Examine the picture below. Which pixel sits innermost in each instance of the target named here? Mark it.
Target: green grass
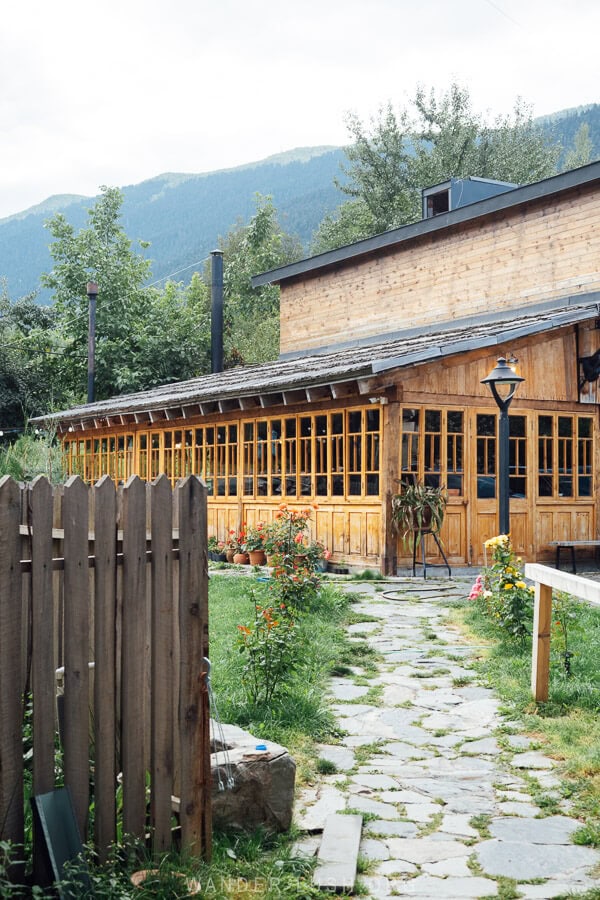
(301, 714)
(567, 727)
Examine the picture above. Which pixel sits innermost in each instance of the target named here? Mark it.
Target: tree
(144, 336)
(251, 316)
(27, 348)
(439, 137)
(580, 153)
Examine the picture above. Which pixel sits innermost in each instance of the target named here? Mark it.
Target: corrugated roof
(343, 365)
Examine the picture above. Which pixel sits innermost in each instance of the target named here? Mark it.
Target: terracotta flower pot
(241, 559)
(257, 557)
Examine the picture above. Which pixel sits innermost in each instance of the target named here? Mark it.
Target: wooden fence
(111, 588)
(547, 579)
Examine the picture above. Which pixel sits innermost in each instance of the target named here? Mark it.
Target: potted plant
(216, 549)
(418, 508)
(254, 544)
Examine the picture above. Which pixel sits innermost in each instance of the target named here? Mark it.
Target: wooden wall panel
(548, 364)
(373, 521)
(517, 257)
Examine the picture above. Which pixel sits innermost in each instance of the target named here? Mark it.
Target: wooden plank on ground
(76, 626)
(11, 710)
(105, 708)
(162, 683)
(338, 853)
(195, 775)
(133, 657)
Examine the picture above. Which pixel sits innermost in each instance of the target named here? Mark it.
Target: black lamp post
(92, 293)
(503, 382)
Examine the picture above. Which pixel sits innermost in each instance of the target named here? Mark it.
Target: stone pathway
(441, 783)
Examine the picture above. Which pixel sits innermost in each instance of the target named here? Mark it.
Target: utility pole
(92, 293)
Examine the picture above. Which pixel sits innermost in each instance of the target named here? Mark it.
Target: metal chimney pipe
(92, 293)
(216, 314)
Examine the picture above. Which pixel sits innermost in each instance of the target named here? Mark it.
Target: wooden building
(384, 344)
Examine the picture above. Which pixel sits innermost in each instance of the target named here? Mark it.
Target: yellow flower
(520, 584)
(508, 587)
(531, 589)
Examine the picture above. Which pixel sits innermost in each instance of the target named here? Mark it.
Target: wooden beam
(267, 400)
(322, 392)
(226, 406)
(249, 403)
(174, 412)
(292, 397)
(345, 389)
(191, 411)
(208, 407)
(156, 415)
(371, 385)
(141, 417)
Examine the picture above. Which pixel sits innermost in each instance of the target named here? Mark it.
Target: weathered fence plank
(133, 688)
(43, 660)
(76, 625)
(105, 594)
(195, 777)
(162, 684)
(11, 708)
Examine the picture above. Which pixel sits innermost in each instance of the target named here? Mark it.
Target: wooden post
(77, 716)
(11, 709)
(43, 663)
(162, 691)
(105, 707)
(389, 485)
(540, 660)
(133, 685)
(196, 781)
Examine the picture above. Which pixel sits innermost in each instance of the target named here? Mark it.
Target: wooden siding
(508, 260)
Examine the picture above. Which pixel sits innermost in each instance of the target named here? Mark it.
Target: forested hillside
(182, 216)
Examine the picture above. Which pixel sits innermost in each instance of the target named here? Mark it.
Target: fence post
(162, 691)
(133, 657)
(77, 698)
(194, 714)
(11, 708)
(105, 706)
(542, 622)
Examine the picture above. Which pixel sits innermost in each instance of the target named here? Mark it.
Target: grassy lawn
(299, 716)
(567, 727)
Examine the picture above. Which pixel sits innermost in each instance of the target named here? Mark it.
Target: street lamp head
(91, 289)
(503, 382)
(502, 373)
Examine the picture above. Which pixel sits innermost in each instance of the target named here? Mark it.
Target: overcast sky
(122, 90)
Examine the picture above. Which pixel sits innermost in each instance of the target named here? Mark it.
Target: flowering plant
(270, 648)
(507, 597)
(236, 540)
(255, 538)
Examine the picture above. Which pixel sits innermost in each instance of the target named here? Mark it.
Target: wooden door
(433, 450)
(483, 493)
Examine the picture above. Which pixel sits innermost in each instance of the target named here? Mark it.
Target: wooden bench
(572, 546)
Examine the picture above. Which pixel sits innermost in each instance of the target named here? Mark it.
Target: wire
(185, 268)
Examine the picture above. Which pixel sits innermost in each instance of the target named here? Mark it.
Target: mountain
(183, 215)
